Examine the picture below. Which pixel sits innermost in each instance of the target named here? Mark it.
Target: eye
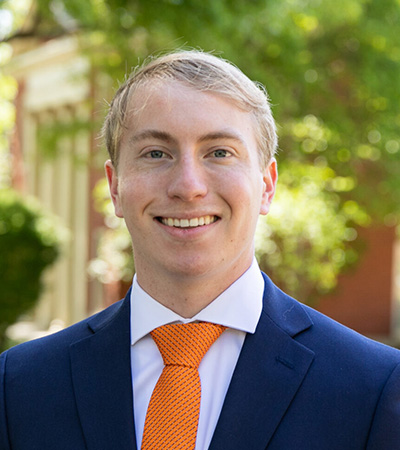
(156, 154)
(220, 153)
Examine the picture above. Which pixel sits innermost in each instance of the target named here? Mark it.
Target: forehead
(180, 101)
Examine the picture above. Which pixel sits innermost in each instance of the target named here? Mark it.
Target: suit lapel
(269, 372)
(101, 373)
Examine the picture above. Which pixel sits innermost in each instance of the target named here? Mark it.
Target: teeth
(186, 223)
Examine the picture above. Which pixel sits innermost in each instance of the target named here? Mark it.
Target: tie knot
(186, 344)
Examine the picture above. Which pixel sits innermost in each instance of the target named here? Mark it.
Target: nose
(188, 180)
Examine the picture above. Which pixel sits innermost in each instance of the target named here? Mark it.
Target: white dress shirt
(238, 308)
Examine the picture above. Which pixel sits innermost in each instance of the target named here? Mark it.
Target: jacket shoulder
(323, 335)
(52, 347)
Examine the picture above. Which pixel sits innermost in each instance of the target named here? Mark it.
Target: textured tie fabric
(173, 413)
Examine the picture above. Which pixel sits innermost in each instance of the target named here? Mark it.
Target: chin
(193, 267)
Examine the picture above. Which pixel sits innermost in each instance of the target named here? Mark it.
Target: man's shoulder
(55, 346)
(323, 335)
(328, 334)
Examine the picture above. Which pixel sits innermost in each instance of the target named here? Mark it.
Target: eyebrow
(154, 134)
(223, 134)
(167, 137)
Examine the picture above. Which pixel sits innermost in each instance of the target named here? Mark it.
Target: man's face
(189, 184)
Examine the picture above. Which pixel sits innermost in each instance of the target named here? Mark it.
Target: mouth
(187, 223)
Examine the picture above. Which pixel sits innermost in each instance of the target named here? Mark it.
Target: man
(191, 142)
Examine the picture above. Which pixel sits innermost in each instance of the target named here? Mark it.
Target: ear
(270, 178)
(112, 178)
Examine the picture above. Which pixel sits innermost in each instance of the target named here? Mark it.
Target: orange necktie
(173, 413)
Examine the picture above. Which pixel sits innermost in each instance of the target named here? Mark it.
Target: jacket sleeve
(385, 428)
(4, 441)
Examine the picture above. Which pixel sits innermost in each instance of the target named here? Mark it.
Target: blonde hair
(204, 72)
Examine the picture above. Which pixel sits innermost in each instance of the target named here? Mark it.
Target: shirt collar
(238, 307)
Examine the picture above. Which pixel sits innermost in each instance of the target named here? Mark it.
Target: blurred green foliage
(114, 259)
(30, 241)
(7, 117)
(309, 236)
(332, 70)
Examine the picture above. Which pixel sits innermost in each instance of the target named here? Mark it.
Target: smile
(188, 223)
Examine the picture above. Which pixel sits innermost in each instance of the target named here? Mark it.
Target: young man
(191, 142)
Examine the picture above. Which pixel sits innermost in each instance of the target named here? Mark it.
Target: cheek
(135, 194)
(245, 196)
(127, 194)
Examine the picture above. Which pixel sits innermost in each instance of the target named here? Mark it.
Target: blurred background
(332, 70)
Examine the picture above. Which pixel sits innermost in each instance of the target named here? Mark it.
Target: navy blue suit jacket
(302, 382)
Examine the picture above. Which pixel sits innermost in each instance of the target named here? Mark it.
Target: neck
(185, 295)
